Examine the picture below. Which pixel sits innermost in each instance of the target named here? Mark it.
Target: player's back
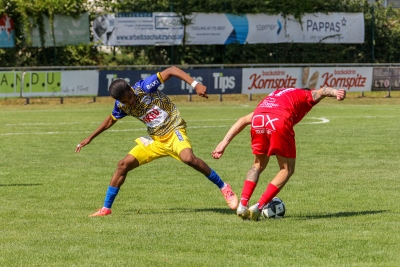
(292, 103)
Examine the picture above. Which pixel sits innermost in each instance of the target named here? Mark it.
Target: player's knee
(289, 172)
(122, 166)
(189, 159)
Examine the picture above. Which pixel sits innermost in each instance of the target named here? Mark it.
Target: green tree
(382, 31)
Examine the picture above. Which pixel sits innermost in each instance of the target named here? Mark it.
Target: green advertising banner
(48, 83)
(8, 83)
(42, 81)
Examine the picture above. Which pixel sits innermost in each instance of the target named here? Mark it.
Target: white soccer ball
(274, 209)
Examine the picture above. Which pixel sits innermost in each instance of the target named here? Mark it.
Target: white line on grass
(318, 121)
(93, 122)
(110, 130)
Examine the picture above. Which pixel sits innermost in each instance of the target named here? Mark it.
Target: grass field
(342, 202)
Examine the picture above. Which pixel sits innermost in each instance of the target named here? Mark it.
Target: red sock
(247, 191)
(268, 195)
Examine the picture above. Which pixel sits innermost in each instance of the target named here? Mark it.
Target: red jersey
(292, 103)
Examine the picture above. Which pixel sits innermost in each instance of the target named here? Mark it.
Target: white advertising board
(266, 80)
(356, 79)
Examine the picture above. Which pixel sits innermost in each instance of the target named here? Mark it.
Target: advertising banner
(386, 79)
(213, 28)
(48, 83)
(327, 28)
(266, 80)
(217, 81)
(267, 29)
(103, 27)
(139, 28)
(6, 31)
(356, 79)
(131, 76)
(67, 31)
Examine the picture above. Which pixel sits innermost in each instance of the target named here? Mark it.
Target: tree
(381, 30)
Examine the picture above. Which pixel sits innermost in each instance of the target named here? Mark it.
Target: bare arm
(321, 93)
(107, 123)
(236, 128)
(177, 72)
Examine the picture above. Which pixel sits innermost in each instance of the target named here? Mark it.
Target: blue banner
(217, 81)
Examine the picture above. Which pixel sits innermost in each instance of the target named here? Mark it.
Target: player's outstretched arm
(107, 123)
(236, 128)
(177, 72)
(321, 93)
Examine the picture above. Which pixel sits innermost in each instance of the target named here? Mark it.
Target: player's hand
(219, 150)
(82, 144)
(341, 94)
(201, 90)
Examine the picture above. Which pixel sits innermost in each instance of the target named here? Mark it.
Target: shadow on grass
(159, 211)
(20, 184)
(338, 214)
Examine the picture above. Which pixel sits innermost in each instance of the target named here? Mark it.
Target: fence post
(22, 86)
(220, 97)
(250, 97)
(190, 97)
(389, 92)
(61, 100)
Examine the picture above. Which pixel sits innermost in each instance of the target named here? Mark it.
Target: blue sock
(214, 177)
(110, 196)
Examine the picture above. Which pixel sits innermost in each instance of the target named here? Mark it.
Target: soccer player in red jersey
(165, 127)
(272, 133)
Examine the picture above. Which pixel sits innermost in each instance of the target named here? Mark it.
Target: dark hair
(118, 88)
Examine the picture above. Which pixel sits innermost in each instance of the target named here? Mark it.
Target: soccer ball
(274, 209)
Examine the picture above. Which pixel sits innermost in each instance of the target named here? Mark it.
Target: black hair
(118, 88)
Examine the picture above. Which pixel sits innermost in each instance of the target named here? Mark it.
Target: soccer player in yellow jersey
(165, 126)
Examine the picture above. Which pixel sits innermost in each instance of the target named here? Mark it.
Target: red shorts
(272, 134)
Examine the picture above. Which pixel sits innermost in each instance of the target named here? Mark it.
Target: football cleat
(230, 197)
(243, 212)
(254, 213)
(101, 212)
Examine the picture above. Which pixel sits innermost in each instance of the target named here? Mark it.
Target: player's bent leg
(124, 166)
(250, 183)
(187, 156)
(287, 166)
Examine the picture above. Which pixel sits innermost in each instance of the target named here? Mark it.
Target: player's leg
(282, 144)
(250, 183)
(128, 163)
(287, 166)
(181, 147)
(187, 156)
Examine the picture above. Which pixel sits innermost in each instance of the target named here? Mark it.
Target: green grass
(342, 202)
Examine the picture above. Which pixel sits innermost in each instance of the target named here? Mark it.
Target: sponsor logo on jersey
(153, 84)
(146, 140)
(146, 100)
(151, 115)
(179, 135)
